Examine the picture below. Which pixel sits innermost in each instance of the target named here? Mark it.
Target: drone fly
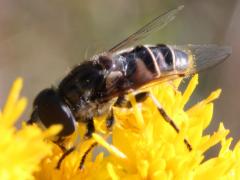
(92, 88)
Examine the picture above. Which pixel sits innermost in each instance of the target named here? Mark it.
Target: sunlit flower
(23, 149)
(142, 145)
(155, 151)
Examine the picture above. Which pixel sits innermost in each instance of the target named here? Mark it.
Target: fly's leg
(69, 151)
(110, 120)
(88, 135)
(90, 128)
(65, 151)
(142, 96)
(121, 102)
(65, 154)
(168, 119)
(85, 155)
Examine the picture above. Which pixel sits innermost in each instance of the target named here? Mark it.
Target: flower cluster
(141, 145)
(21, 149)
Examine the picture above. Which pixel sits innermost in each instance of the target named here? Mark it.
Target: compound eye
(52, 110)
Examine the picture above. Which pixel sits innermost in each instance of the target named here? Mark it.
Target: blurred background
(41, 40)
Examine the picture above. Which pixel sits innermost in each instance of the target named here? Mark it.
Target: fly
(92, 88)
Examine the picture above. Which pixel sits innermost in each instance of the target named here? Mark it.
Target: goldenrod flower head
(143, 145)
(21, 149)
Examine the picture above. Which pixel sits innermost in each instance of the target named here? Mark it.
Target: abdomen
(145, 64)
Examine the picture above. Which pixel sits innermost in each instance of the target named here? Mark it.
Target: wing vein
(156, 24)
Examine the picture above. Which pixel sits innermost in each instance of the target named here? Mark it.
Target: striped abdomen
(145, 64)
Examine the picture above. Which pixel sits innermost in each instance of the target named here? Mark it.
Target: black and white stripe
(156, 59)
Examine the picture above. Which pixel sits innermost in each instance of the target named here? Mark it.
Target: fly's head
(49, 109)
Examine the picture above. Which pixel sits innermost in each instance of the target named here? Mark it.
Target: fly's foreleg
(65, 154)
(85, 155)
(69, 151)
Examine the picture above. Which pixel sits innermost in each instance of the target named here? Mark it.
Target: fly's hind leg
(142, 96)
(168, 119)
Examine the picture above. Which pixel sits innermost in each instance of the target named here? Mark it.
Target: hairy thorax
(93, 109)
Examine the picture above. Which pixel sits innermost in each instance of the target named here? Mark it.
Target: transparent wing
(156, 24)
(205, 56)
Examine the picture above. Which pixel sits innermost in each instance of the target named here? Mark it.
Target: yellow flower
(142, 145)
(154, 150)
(21, 149)
(145, 146)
